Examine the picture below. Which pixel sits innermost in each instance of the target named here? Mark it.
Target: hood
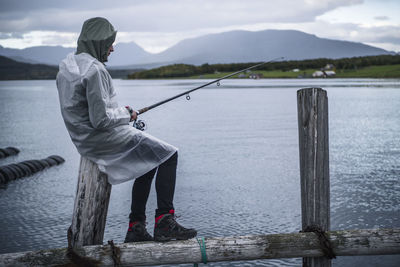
(97, 36)
(73, 67)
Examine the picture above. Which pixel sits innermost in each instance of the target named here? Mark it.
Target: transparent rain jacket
(99, 128)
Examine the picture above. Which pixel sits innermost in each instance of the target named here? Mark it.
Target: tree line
(185, 70)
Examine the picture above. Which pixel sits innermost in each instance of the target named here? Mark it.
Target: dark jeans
(165, 188)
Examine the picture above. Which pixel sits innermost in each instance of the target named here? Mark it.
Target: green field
(381, 66)
(265, 74)
(385, 71)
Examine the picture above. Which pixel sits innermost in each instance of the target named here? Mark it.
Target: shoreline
(234, 78)
(371, 72)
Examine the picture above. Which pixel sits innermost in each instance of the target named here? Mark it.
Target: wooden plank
(293, 245)
(312, 106)
(91, 205)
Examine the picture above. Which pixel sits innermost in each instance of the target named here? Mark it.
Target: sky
(156, 25)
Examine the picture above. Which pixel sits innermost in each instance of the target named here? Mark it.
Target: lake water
(238, 171)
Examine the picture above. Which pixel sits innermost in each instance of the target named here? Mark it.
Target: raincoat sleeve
(102, 114)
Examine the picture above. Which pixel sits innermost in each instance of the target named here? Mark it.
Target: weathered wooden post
(312, 104)
(91, 206)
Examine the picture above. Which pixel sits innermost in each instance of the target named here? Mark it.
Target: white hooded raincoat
(99, 128)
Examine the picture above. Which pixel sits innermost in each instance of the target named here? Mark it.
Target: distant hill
(50, 55)
(127, 54)
(245, 46)
(14, 70)
(227, 47)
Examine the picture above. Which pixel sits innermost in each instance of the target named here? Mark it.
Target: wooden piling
(91, 205)
(312, 105)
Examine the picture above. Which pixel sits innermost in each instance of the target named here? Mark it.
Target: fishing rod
(141, 125)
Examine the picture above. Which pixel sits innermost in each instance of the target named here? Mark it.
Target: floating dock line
(8, 151)
(26, 168)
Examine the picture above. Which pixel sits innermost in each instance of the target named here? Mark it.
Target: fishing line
(141, 125)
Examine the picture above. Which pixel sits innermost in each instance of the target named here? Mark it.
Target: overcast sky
(158, 24)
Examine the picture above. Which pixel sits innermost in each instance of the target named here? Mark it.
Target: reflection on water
(238, 169)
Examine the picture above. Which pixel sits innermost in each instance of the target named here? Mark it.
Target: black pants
(165, 188)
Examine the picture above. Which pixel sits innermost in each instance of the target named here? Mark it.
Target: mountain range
(227, 47)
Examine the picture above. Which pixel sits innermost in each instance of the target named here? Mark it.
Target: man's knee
(173, 160)
(174, 157)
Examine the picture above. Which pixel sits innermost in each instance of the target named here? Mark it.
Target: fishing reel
(140, 125)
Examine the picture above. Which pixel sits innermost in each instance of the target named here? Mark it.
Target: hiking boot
(166, 228)
(137, 232)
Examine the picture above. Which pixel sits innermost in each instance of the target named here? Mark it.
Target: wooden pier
(316, 244)
(344, 243)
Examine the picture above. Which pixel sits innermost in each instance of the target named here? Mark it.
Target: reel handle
(140, 125)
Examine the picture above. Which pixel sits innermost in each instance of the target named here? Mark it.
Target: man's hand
(132, 112)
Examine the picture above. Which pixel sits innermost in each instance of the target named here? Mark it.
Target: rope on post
(324, 242)
(202, 244)
(116, 253)
(75, 258)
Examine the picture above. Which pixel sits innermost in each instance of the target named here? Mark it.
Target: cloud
(359, 33)
(12, 35)
(38, 38)
(157, 25)
(157, 15)
(385, 36)
(54, 38)
(381, 17)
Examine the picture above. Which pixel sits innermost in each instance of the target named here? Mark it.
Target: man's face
(111, 49)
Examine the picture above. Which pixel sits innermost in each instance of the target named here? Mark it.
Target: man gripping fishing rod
(100, 130)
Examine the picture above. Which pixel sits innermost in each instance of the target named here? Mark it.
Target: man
(100, 130)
